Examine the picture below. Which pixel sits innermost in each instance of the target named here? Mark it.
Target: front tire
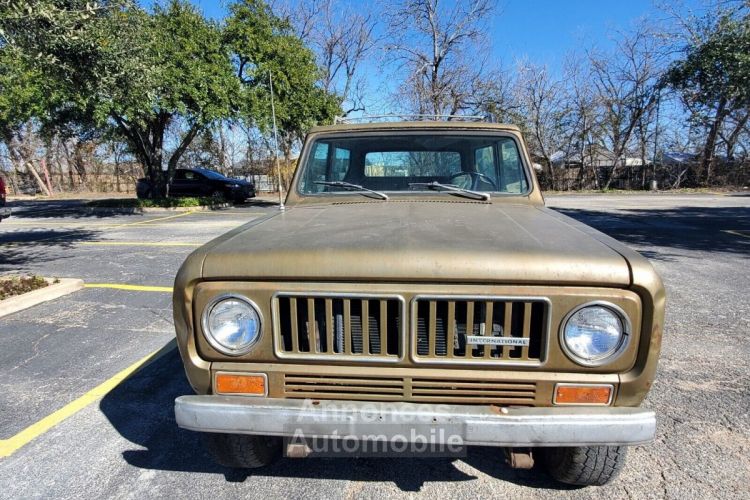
(584, 465)
(242, 451)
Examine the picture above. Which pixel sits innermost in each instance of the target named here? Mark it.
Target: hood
(403, 241)
(240, 182)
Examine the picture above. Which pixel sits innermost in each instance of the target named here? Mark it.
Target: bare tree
(582, 127)
(495, 96)
(626, 84)
(545, 111)
(733, 130)
(342, 38)
(442, 50)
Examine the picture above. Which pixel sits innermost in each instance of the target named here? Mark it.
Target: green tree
(713, 77)
(181, 77)
(117, 65)
(21, 96)
(261, 44)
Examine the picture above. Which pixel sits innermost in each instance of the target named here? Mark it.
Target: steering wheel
(473, 178)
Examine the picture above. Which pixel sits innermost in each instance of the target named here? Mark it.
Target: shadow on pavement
(255, 202)
(78, 209)
(18, 248)
(683, 228)
(69, 208)
(141, 409)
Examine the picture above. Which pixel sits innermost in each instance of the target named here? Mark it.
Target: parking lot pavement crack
(664, 483)
(35, 348)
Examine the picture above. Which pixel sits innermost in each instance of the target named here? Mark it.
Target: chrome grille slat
(441, 327)
(294, 324)
(507, 323)
(347, 327)
(451, 343)
(384, 326)
(339, 327)
(329, 326)
(365, 327)
(488, 325)
(352, 328)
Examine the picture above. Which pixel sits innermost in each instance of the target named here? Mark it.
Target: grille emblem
(513, 341)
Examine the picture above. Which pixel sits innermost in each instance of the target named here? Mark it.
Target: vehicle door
(188, 183)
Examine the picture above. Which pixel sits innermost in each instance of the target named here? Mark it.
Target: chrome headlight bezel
(627, 331)
(213, 342)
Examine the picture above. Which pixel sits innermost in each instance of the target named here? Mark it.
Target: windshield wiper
(355, 187)
(450, 188)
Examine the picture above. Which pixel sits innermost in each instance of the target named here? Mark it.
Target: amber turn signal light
(234, 383)
(569, 394)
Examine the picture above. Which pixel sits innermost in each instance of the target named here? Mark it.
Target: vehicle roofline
(414, 125)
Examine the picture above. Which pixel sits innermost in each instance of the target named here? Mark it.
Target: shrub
(154, 203)
(18, 285)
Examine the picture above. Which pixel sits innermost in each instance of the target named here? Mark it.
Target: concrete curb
(51, 292)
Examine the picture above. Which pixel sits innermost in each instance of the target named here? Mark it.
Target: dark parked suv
(201, 182)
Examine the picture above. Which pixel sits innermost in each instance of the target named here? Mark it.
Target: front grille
(367, 328)
(359, 388)
(473, 391)
(416, 389)
(472, 330)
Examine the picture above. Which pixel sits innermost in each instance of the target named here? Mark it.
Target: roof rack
(411, 117)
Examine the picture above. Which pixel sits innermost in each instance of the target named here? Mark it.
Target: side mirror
(537, 168)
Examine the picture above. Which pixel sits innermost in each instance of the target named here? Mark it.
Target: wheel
(242, 451)
(584, 465)
(217, 195)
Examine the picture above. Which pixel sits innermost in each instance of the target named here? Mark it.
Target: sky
(543, 30)
(539, 31)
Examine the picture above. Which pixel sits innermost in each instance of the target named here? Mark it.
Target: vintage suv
(416, 283)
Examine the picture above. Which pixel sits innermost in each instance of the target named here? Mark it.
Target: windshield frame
(348, 134)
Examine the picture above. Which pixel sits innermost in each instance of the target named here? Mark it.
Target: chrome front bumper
(474, 425)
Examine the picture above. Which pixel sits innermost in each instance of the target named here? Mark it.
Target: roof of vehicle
(415, 125)
(200, 170)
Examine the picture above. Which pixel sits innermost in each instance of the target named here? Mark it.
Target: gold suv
(416, 291)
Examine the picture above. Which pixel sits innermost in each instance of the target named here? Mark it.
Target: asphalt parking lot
(74, 424)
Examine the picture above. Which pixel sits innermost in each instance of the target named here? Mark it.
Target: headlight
(231, 324)
(594, 334)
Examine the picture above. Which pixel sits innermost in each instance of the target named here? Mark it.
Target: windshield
(211, 174)
(408, 163)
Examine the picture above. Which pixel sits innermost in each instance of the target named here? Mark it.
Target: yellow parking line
(139, 243)
(182, 214)
(132, 288)
(738, 232)
(13, 444)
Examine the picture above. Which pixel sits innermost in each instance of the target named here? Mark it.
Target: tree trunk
(734, 136)
(46, 175)
(182, 147)
(709, 149)
(39, 181)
